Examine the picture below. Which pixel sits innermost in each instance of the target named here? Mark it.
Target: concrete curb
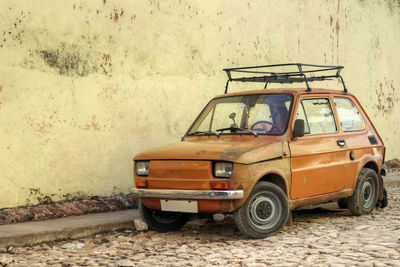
(392, 179)
(28, 233)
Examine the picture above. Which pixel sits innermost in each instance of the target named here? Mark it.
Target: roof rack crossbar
(270, 72)
(287, 76)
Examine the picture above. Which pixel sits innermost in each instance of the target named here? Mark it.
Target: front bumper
(188, 194)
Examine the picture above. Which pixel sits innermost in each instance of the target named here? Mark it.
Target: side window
(317, 115)
(302, 115)
(349, 116)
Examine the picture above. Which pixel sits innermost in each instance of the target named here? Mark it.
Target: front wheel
(365, 195)
(162, 221)
(265, 211)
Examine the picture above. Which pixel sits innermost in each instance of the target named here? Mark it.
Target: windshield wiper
(236, 128)
(205, 133)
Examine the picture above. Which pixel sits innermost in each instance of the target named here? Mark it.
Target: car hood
(236, 150)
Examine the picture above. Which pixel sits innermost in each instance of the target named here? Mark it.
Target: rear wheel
(365, 195)
(342, 203)
(162, 221)
(265, 211)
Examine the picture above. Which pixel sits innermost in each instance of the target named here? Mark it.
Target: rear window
(349, 116)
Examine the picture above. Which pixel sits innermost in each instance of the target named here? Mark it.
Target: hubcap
(367, 194)
(264, 210)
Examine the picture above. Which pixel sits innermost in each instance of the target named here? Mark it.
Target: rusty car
(261, 154)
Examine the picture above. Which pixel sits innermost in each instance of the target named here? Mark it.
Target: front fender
(247, 175)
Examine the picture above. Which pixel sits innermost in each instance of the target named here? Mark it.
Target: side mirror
(298, 130)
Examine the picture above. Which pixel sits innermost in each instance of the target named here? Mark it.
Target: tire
(365, 195)
(162, 221)
(342, 203)
(265, 211)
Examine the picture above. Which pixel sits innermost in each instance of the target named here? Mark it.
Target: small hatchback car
(260, 154)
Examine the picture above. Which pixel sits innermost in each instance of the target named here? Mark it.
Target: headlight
(142, 168)
(223, 169)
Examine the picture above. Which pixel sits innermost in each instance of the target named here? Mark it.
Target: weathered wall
(85, 85)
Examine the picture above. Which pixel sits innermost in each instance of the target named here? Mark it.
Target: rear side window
(349, 116)
(317, 115)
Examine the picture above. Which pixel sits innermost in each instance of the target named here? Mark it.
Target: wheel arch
(276, 179)
(374, 166)
(371, 165)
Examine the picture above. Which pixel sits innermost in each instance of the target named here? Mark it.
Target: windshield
(261, 114)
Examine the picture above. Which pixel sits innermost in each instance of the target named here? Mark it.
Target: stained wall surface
(85, 85)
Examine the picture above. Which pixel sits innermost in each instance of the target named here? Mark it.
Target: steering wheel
(267, 122)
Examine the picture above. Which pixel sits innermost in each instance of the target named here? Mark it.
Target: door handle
(341, 142)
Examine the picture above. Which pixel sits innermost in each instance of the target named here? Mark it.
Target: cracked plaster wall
(85, 85)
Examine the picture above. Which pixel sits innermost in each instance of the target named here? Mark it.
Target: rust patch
(43, 126)
(14, 31)
(133, 18)
(1, 88)
(231, 154)
(337, 40)
(377, 50)
(95, 124)
(377, 42)
(106, 65)
(298, 44)
(109, 92)
(116, 15)
(386, 100)
(337, 28)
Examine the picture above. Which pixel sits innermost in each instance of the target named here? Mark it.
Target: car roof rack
(303, 73)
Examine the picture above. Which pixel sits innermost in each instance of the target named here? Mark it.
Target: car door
(360, 139)
(318, 159)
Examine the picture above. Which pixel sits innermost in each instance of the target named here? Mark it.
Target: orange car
(260, 154)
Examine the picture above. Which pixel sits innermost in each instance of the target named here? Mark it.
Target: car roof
(293, 91)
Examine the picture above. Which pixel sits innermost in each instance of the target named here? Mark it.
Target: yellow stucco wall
(85, 85)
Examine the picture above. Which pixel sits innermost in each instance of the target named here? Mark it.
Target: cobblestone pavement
(318, 237)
